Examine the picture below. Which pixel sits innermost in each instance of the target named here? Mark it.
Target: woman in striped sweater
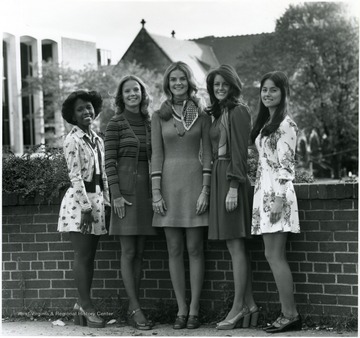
(127, 158)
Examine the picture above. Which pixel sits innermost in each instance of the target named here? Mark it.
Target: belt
(91, 186)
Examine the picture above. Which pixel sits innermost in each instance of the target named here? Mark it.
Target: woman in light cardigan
(82, 210)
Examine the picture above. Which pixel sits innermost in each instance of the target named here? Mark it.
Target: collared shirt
(80, 160)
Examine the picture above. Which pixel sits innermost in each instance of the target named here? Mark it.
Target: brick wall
(37, 259)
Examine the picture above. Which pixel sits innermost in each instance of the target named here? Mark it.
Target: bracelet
(206, 190)
(158, 200)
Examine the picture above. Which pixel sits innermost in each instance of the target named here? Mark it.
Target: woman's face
(221, 87)
(131, 93)
(84, 113)
(270, 94)
(178, 83)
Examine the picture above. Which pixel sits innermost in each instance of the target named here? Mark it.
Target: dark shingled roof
(228, 49)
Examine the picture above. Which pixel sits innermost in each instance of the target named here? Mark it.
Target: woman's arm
(112, 140)
(285, 148)
(240, 125)
(72, 156)
(104, 177)
(206, 150)
(157, 157)
(157, 160)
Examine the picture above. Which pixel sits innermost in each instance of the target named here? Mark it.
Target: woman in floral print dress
(82, 211)
(275, 210)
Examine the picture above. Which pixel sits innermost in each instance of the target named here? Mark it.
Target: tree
(56, 82)
(316, 44)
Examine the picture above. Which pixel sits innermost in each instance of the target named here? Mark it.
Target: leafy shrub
(42, 172)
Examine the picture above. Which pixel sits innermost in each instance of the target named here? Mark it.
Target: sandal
(251, 319)
(180, 322)
(193, 322)
(135, 324)
(87, 318)
(283, 324)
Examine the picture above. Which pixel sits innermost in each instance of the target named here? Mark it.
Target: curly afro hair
(67, 109)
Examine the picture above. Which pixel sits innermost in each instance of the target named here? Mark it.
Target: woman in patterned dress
(275, 210)
(230, 199)
(180, 184)
(82, 211)
(127, 157)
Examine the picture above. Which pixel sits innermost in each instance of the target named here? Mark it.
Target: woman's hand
(276, 210)
(159, 205)
(119, 206)
(203, 201)
(107, 210)
(86, 222)
(231, 201)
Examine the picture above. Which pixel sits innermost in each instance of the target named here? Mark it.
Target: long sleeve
(206, 150)
(240, 125)
(73, 160)
(112, 139)
(157, 157)
(285, 148)
(104, 177)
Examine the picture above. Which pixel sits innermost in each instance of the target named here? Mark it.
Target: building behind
(24, 123)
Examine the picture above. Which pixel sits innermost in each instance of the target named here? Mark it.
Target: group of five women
(197, 158)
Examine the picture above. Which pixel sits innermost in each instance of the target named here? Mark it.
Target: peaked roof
(200, 58)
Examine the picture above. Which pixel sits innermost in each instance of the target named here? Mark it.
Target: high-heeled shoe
(87, 318)
(180, 322)
(137, 325)
(251, 319)
(232, 323)
(283, 324)
(193, 322)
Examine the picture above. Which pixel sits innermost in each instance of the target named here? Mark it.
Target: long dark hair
(145, 98)
(281, 81)
(234, 96)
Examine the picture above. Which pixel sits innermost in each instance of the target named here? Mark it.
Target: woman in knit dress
(180, 184)
(127, 157)
(275, 211)
(230, 199)
(82, 210)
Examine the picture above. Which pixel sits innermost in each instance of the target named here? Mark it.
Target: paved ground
(46, 328)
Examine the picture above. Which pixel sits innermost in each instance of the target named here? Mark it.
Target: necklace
(175, 113)
(177, 130)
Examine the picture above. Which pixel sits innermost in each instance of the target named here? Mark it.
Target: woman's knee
(195, 249)
(175, 248)
(275, 257)
(129, 253)
(236, 246)
(84, 257)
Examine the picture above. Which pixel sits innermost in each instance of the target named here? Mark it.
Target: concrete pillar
(38, 95)
(15, 103)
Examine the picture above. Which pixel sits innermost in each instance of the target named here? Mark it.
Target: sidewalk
(46, 328)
